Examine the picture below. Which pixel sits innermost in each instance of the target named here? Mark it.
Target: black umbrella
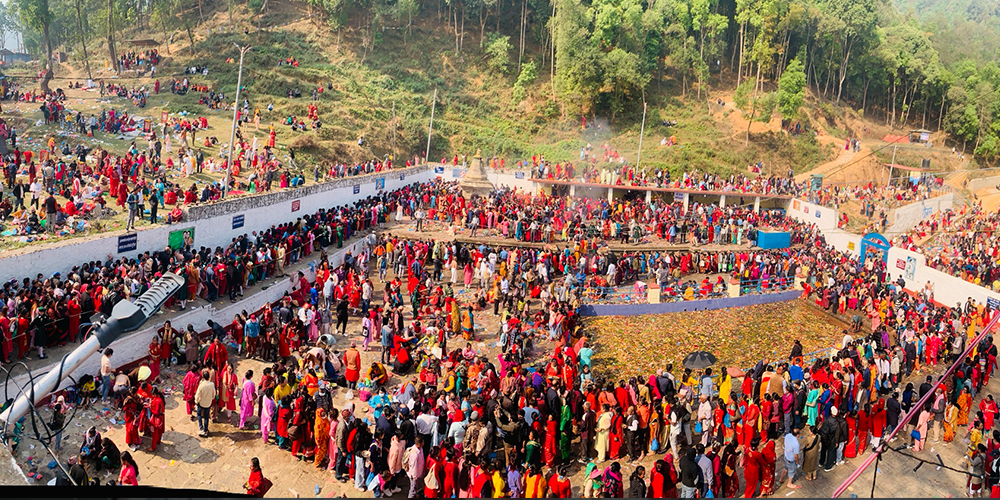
(699, 360)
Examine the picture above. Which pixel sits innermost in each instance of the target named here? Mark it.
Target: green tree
(576, 58)
(988, 149)
(791, 89)
(498, 52)
(36, 15)
(529, 72)
(857, 20)
(755, 106)
(406, 9)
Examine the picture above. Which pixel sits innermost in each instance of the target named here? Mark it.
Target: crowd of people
(967, 247)
(876, 196)
(619, 173)
(67, 190)
(542, 218)
(449, 420)
(132, 59)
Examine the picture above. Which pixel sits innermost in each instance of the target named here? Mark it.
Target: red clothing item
(751, 473)
(560, 488)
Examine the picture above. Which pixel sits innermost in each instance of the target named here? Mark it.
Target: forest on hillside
(605, 57)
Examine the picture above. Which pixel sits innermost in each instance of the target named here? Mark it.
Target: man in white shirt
(366, 296)
(792, 452)
(846, 341)
(106, 374)
(36, 192)
(425, 424)
(419, 215)
(328, 291)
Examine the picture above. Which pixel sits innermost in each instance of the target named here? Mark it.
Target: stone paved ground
(221, 461)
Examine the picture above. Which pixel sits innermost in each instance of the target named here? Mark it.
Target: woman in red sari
(157, 423)
(730, 464)
(167, 342)
(155, 353)
(753, 465)
(751, 421)
(257, 485)
(113, 180)
(851, 448)
(551, 438)
(767, 471)
(449, 487)
(287, 332)
(989, 408)
(122, 194)
(130, 410)
(661, 480)
(74, 310)
(617, 434)
(433, 474)
(864, 424)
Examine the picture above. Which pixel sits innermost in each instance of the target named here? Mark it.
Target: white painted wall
(909, 216)
(983, 183)
(844, 241)
(948, 289)
(824, 218)
(260, 213)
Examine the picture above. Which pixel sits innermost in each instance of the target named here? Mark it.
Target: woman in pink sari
(332, 449)
(367, 327)
(313, 324)
(247, 398)
(267, 414)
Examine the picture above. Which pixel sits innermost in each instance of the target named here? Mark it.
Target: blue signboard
(439, 170)
(402, 176)
(238, 221)
(357, 188)
(519, 175)
(128, 242)
(380, 183)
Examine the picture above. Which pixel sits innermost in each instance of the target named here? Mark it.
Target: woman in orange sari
(767, 471)
(950, 422)
(964, 407)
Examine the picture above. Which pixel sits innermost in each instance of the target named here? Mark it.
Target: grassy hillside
(476, 107)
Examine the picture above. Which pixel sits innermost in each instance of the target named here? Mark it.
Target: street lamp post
(236, 107)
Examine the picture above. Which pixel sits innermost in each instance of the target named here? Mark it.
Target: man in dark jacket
(892, 412)
(691, 480)
(800, 403)
(842, 435)
(828, 438)
(514, 434)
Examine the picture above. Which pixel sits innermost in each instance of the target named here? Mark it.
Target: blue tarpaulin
(769, 240)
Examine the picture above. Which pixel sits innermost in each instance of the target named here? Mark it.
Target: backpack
(472, 436)
(406, 459)
(484, 438)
